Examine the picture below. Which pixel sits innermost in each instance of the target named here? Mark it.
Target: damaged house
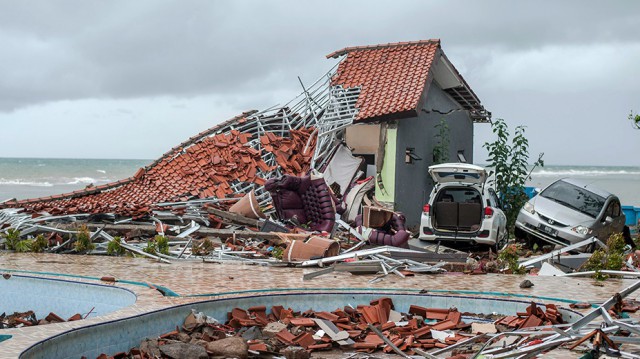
(383, 101)
(405, 90)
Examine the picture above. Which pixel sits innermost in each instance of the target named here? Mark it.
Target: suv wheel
(500, 242)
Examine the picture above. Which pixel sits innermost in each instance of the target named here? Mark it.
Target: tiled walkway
(194, 281)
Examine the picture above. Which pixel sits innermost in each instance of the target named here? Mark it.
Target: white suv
(461, 208)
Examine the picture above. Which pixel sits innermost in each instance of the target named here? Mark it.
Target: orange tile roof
(203, 166)
(392, 76)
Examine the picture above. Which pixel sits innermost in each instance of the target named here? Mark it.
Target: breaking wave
(83, 180)
(19, 182)
(101, 171)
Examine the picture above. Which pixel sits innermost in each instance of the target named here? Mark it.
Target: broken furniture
(305, 201)
(354, 197)
(383, 227)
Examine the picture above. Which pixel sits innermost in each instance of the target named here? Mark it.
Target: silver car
(570, 211)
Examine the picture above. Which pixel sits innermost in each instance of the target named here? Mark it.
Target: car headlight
(581, 230)
(529, 208)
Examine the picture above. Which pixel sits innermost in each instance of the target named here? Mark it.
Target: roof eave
(388, 117)
(465, 96)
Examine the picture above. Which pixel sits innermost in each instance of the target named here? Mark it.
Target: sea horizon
(32, 177)
(479, 163)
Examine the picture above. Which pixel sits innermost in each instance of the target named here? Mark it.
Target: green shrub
(151, 247)
(24, 245)
(114, 247)
(508, 257)
(277, 252)
(610, 260)
(39, 244)
(203, 248)
(12, 238)
(596, 263)
(162, 243)
(83, 240)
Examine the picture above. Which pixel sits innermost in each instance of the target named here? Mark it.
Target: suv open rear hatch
(458, 172)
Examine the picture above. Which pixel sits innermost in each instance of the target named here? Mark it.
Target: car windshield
(574, 197)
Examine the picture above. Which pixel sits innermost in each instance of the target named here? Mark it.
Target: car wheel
(519, 234)
(534, 242)
(500, 242)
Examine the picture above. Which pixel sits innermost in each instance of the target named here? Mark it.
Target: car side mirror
(608, 219)
(537, 190)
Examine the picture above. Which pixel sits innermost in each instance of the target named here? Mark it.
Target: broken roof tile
(392, 77)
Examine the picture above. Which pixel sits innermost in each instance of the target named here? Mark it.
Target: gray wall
(413, 183)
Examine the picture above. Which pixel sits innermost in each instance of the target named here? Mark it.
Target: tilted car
(569, 211)
(461, 208)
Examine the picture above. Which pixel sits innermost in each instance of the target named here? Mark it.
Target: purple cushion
(309, 200)
(393, 233)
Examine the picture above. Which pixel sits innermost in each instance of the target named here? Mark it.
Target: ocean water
(35, 177)
(621, 181)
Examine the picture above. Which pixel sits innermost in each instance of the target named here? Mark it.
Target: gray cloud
(546, 64)
(122, 49)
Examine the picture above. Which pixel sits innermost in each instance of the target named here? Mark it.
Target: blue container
(633, 215)
(530, 191)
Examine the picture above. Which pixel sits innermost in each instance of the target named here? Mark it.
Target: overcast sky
(131, 79)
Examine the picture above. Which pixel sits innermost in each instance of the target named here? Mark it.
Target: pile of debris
(366, 328)
(263, 187)
(29, 319)
(306, 221)
(377, 327)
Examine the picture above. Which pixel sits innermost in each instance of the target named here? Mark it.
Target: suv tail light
(426, 208)
(488, 212)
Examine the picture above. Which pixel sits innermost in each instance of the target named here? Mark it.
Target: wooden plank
(234, 217)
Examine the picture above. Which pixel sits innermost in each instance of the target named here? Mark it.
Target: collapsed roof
(239, 155)
(229, 159)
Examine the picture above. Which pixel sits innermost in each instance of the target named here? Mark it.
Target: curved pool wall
(123, 334)
(21, 293)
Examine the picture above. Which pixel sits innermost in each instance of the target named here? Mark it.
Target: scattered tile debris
(29, 319)
(376, 327)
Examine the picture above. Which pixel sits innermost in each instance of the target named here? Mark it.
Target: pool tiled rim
(122, 334)
(192, 279)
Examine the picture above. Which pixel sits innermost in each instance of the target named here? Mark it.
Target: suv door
(494, 201)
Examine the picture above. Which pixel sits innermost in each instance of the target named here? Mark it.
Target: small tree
(635, 120)
(508, 162)
(441, 149)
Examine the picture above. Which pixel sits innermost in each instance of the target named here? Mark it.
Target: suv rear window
(574, 197)
(459, 195)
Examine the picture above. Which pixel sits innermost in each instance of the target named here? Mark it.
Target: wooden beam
(234, 217)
